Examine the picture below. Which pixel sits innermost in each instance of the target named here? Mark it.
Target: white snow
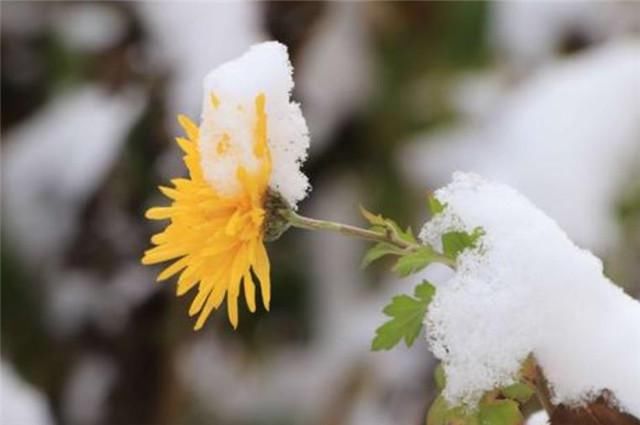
(264, 69)
(89, 27)
(334, 71)
(54, 161)
(528, 289)
(538, 418)
(85, 396)
(77, 298)
(527, 33)
(573, 126)
(21, 403)
(188, 38)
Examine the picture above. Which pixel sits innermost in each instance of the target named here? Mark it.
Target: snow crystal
(229, 109)
(528, 289)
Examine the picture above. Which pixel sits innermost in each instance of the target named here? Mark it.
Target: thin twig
(542, 391)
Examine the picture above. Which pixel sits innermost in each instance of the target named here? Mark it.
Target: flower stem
(391, 238)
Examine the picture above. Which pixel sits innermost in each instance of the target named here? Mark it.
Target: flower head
(251, 140)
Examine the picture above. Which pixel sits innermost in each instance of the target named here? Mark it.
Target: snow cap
(229, 112)
(528, 289)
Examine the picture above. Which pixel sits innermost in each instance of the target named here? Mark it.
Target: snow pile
(538, 418)
(20, 402)
(574, 126)
(90, 27)
(87, 390)
(528, 289)
(529, 33)
(187, 38)
(55, 161)
(334, 70)
(230, 113)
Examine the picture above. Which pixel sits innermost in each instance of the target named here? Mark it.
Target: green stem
(391, 238)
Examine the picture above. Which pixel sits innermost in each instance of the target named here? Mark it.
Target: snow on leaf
(454, 242)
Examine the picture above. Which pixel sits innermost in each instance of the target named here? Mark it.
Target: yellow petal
(158, 257)
(201, 297)
(159, 238)
(169, 192)
(189, 127)
(260, 129)
(212, 286)
(188, 279)
(173, 269)
(214, 301)
(160, 213)
(249, 291)
(261, 267)
(186, 145)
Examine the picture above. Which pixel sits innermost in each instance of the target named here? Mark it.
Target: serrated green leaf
(519, 392)
(440, 377)
(435, 206)
(425, 291)
(407, 314)
(440, 413)
(453, 243)
(500, 412)
(415, 261)
(378, 251)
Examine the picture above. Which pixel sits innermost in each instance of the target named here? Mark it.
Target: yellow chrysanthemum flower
(218, 214)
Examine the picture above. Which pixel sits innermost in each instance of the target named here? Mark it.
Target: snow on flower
(251, 138)
(528, 289)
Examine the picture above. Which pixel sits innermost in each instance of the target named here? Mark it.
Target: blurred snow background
(543, 96)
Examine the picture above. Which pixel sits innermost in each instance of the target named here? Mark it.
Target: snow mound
(230, 93)
(573, 126)
(527, 288)
(21, 403)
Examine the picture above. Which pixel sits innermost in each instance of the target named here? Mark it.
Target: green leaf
(407, 314)
(500, 412)
(440, 413)
(435, 206)
(519, 392)
(453, 243)
(440, 377)
(406, 235)
(425, 292)
(373, 219)
(415, 261)
(381, 224)
(378, 251)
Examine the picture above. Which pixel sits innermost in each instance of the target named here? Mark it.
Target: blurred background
(543, 96)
